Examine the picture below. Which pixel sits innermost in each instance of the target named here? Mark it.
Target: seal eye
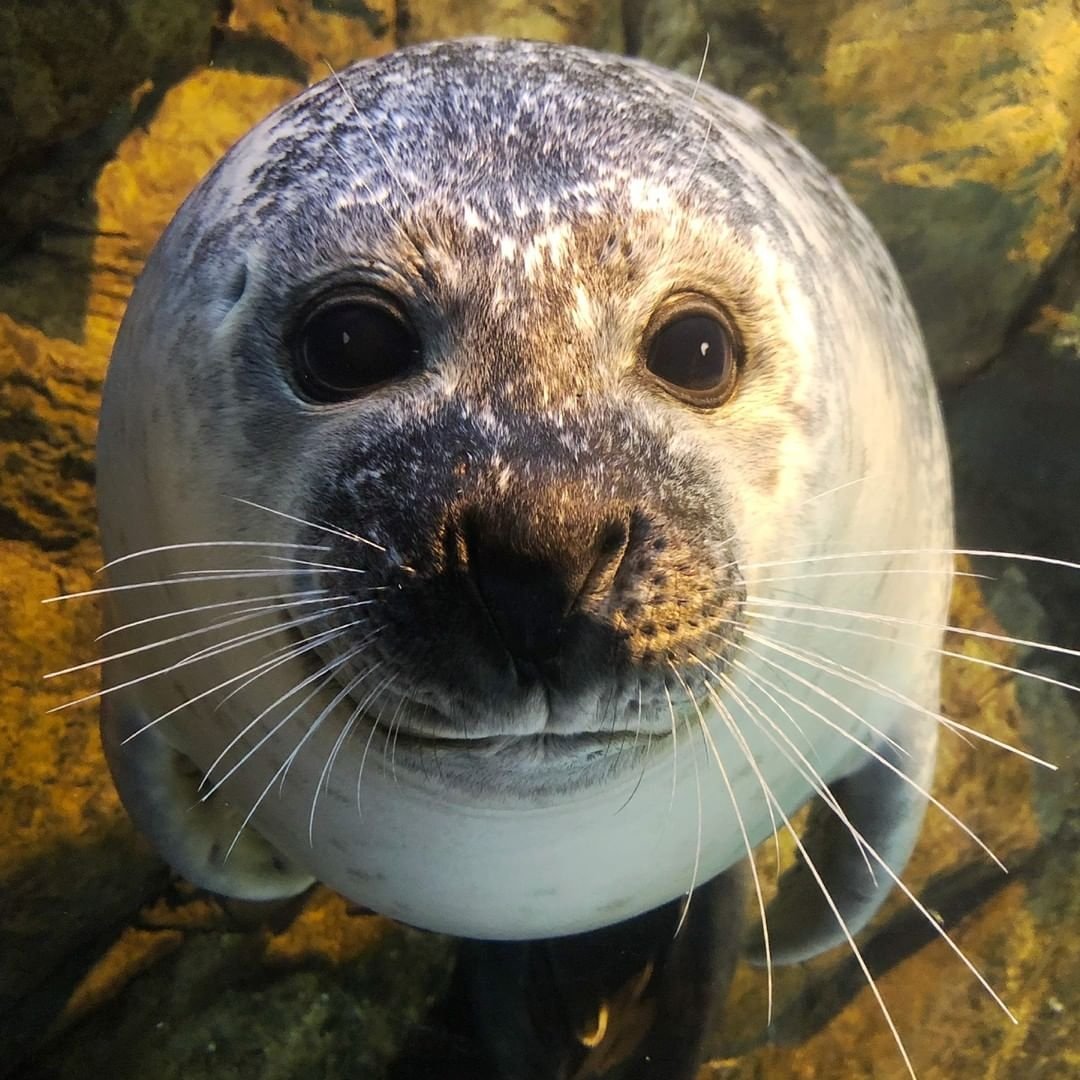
(351, 343)
(693, 351)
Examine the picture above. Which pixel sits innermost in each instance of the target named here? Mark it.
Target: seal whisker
(826, 664)
(289, 599)
(325, 673)
(225, 573)
(185, 577)
(361, 710)
(354, 716)
(321, 678)
(714, 752)
(742, 627)
(872, 572)
(191, 658)
(855, 950)
(645, 757)
(207, 544)
(249, 675)
(233, 620)
(287, 652)
(343, 694)
(696, 867)
(963, 731)
(694, 93)
(737, 734)
(319, 565)
(822, 692)
(870, 750)
(836, 489)
(764, 690)
(330, 529)
(288, 623)
(952, 655)
(375, 144)
(1044, 560)
(367, 747)
(283, 769)
(896, 620)
(806, 769)
(674, 747)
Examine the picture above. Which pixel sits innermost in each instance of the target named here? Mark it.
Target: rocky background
(955, 125)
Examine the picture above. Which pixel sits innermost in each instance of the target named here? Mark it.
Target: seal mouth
(427, 743)
(536, 751)
(519, 767)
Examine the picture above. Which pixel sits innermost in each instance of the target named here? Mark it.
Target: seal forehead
(509, 139)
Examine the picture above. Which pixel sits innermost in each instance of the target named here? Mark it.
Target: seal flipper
(633, 1001)
(887, 811)
(159, 788)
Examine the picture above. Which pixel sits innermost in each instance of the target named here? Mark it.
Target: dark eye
(351, 343)
(692, 349)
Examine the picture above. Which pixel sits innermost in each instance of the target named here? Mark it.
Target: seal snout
(534, 579)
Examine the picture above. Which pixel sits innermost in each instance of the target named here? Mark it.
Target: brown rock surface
(72, 73)
(955, 125)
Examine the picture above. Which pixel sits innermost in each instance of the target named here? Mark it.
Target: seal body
(552, 635)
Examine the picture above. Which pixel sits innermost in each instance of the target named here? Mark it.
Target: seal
(500, 455)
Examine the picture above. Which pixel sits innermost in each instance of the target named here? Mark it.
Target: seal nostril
(613, 538)
(532, 575)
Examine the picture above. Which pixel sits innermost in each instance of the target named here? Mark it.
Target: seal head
(539, 366)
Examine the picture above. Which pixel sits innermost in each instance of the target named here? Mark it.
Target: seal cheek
(206, 842)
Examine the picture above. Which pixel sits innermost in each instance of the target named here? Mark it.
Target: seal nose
(532, 580)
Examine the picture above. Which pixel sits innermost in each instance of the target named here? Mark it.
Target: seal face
(488, 417)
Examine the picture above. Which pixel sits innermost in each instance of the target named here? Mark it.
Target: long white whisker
(838, 488)
(367, 747)
(1044, 560)
(186, 577)
(289, 652)
(848, 674)
(288, 599)
(833, 699)
(897, 620)
(873, 571)
(208, 544)
(823, 792)
(324, 776)
(325, 673)
(871, 752)
(330, 529)
(192, 658)
(287, 763)
(714, 751)
(809, 863)
(737, 734)
(250, 674)
(953, 655)
(868, 849)
(235, 620)
(317, 565)
(696, 868)
(674, 749)
(323, 677)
